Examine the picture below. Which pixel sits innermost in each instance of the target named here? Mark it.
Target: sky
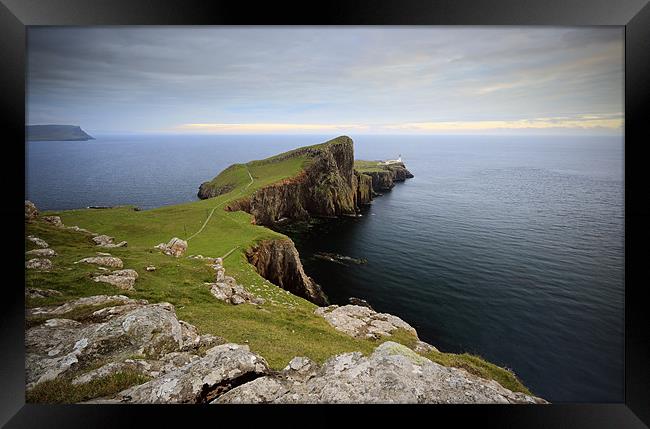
(315, 80)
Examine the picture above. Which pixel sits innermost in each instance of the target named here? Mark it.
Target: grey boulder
(392, 374)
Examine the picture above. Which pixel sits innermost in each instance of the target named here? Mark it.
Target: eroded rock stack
(278, 262)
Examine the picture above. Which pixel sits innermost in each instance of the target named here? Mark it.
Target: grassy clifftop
(282, 328)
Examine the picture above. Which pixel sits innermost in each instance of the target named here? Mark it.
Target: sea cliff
(328, 186)
(117, 312)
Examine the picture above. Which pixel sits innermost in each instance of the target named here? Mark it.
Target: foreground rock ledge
(392, 374)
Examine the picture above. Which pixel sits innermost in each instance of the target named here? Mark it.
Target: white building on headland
(393, 161)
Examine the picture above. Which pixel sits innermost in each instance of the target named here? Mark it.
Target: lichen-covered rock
(422, 347)
(38, 241)
(54, 220)
(104, 371)
(31, 212)
(39, 264)
(40, 293)
(362, 322)
(392, 374)
(106, 261)
(237, 299)
(76, 228)
(42, 253)
(123, 279)
(60, 345)
(176, 247)
(96, 300)
(200, 381)
(106, 241)
(189, 335)
(33, 292)
(229, 291)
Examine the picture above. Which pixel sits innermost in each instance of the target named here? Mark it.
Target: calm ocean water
(507, 247)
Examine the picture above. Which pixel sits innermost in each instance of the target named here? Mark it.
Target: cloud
(143, 78)
(591, 122)
(585, 122)
(271, 128)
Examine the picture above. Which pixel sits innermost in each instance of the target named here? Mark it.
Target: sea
(507, 247)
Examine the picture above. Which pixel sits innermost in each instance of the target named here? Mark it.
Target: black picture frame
(16, 15)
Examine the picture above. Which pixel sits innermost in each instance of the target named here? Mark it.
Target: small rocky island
(136, 320)
(56, 133)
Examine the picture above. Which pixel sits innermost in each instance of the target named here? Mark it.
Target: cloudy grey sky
(379, 80)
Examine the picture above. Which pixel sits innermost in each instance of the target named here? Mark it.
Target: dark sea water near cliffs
(507, 247)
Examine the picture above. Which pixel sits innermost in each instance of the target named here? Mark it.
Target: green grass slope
(367, 166)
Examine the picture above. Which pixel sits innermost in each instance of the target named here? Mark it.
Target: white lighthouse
(393, 161)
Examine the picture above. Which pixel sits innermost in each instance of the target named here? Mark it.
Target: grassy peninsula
(283, 327)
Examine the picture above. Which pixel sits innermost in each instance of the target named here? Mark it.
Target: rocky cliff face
(207, 191)
(385, 180)
(364, 188)
(327, 187)
(278, 262)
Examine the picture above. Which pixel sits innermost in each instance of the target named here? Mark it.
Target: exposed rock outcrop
(123, 279)
(362, 322)
(201, 380)
(76, 228)
(39, 264)
(176, 247)
(278, 262)
(38, 241)
(385, 180)
(226, 288)
(33, 292)
(106, 261)
(41, 253)
(392, 374)
(31, 212)
(206, 190)
(54, 220)
(60, 345)
(96, 300)
(106, 241)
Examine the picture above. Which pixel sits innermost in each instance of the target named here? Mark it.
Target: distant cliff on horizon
(56, 133)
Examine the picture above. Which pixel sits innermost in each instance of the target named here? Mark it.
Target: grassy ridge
(367, 166)
(284, 327)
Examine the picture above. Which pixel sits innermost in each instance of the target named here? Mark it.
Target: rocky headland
(107, 327)
(330, 184)
(56, 133)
